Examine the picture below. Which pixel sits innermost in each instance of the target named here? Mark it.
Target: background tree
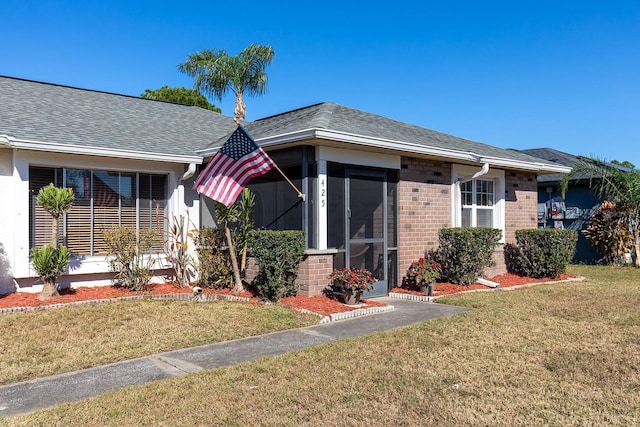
(180, 95)
(618, 185)
(625, 164)
(216, 73)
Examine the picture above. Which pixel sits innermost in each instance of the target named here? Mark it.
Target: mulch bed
(507, 280)
(320, 304)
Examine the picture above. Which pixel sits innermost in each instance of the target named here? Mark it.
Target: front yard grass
(42, 343)
(560, 354)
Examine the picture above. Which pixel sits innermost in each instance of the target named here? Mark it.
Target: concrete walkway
(24, 397)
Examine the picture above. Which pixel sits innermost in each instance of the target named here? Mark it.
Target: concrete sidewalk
(24, 397)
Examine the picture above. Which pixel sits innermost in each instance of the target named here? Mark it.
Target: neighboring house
(571, 212)
(376, 190)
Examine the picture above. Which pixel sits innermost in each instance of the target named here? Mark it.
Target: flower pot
(426, 288)
(351, 297)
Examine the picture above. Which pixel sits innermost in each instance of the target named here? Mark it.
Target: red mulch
(318, 304)
(507, 280)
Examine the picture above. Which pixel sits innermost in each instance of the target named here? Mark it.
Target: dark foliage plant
(464, 253)
(278, 255)
(541, 253)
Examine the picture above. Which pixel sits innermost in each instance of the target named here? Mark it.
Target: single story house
(376, 191)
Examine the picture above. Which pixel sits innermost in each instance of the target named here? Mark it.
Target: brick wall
(424, 207)
(521, 203)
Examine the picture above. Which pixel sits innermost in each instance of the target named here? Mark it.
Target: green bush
(278, 255)
(542, 252)
(50, 262)
(214, 264)
(465, 253)
(126, 255)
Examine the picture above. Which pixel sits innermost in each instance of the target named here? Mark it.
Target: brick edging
(179, 297)
(510, 288)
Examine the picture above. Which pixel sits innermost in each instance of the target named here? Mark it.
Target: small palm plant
(50, 261)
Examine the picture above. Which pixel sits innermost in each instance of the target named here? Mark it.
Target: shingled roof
(348, 125)
(35, 115)
(85, 119)
(561, 158)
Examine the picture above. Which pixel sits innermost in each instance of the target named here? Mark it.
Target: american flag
(239, 160)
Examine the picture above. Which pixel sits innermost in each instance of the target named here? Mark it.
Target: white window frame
(460, 172)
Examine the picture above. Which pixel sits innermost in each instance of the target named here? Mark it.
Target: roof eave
(407, 147)
(23, 144)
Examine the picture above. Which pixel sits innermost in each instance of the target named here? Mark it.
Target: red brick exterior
(521, 203)
(314, 271)
(424, 207)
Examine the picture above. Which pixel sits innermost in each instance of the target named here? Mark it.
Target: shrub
(214, 268)
(543, 252)
(608, 231)
(126, 255)
(278, 255)
(464, 253)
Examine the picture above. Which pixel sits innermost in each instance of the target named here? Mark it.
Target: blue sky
(514, 74)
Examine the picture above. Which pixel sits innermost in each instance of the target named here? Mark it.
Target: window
(102, 199)
(478, 198)
(478, 202)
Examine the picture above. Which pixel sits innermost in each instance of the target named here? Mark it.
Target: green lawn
(561, 354)
(41, 343)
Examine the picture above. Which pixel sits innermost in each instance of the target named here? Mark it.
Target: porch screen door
(366, 225)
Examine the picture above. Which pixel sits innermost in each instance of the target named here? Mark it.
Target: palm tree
(216, 72)
(56, 201)
(50, 261)
(616, 184)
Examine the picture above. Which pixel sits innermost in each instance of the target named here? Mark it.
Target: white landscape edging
(425, 298)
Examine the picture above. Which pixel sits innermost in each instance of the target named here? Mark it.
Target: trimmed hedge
(539, 253)
(465, 253)
(278, 255)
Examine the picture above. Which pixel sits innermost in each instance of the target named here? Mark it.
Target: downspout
(483, 171)
(191, 170)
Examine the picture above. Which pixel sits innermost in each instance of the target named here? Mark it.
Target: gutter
(25, 144)
(406, 147)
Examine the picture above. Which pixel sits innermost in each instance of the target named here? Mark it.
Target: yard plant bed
(320, 304)
(504, 281)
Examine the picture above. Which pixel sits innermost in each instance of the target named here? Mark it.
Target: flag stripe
(238, 161)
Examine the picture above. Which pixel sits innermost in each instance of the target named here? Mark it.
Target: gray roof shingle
(336, 117)
(64, 115)
(60, 114)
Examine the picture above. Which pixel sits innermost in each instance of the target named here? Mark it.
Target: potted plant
(424, 273)
(351, 283)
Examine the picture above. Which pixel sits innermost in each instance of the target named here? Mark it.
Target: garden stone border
(510, 288)
(196, 298)
(179, 297)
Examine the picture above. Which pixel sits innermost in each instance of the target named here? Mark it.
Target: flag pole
(300, 195)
